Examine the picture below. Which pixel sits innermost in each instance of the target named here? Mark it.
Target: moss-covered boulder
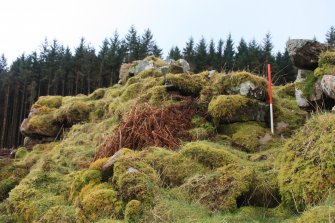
(134, 179)
(73, 113)
(210, 154)
(184, 83)
(318, 214)
(236, 108)
(133, 212)
(40, 123)
(98, 201)
(306, 163)
(246, 135)
(326, 64)
(220, 190)
(59, 214)
(173, 168)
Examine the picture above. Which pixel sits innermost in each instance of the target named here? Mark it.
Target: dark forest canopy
(55, 70)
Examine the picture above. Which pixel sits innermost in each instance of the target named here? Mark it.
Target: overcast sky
(25, 23)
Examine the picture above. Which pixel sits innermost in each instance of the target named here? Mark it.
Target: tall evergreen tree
(267, 48)
(174, 53)
(211, 55)
(201, 55)
(157, 51)
(254, 51)
(228, 54)
(219, 56)
(189, 52)
(330, 36)
(133, 45)
(242, 56)
(3, 64)
(146, 44)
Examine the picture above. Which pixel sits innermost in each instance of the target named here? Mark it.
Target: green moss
(172, 167)
(59, 214)
(232, 108)
(158, 62)
(326, 64)
(246, 135)
(158, 95)
(184, 83)
(97, 94)
(220, 190)
(43, 124)
(133, 212)
(73, 112)
(6, 185)
(80, 180)
(287, 111)
(231, 84)
(98, 164)
(306, 172)
(203, 129)
(98, 201)
(21, 153)
(318, 214)
(135, 179)
(132, 91)
(307, 85)
(49, 101)
(209, 154)
(285, 91)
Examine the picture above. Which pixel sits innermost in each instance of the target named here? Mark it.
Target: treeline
(224, 56)
(56, 70)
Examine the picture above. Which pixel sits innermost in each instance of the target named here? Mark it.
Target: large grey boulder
(184, 64)
(305, 53)
(328, 85)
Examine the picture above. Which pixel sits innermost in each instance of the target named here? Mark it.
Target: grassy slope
(56, 186)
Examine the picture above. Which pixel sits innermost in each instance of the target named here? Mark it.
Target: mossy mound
(59, 214)
(49, 101)
(172, 167)
(246, 135)
(135, 179)
(220, 190)
(73, 113)
(242, 83)
(318, 214)
(326, 64)
(98, 201)
(236, 108)
(210, 154)
(184, 83)
(133, 212)
(306, 172)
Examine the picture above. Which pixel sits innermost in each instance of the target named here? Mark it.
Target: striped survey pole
(270, 95)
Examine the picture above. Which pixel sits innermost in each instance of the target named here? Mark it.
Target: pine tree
(242, 56)
(330, 36)
(146, 44)
(267, 48)
(174, 53)
(219, 56)
(189, 52)
(254, 57)
(228, 54)
(211, 55)
(132, 41)
(201, 56)
(156, 51)
(3, 64)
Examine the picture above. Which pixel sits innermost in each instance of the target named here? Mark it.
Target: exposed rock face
(158, 65)
(305, 53)
(328, 85)
(184, 64)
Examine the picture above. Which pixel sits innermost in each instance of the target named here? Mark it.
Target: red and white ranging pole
(270, 95)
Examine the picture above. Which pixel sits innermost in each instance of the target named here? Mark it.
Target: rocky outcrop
(313, 89)
(305, 53)
(328, 85)
(159, 66)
